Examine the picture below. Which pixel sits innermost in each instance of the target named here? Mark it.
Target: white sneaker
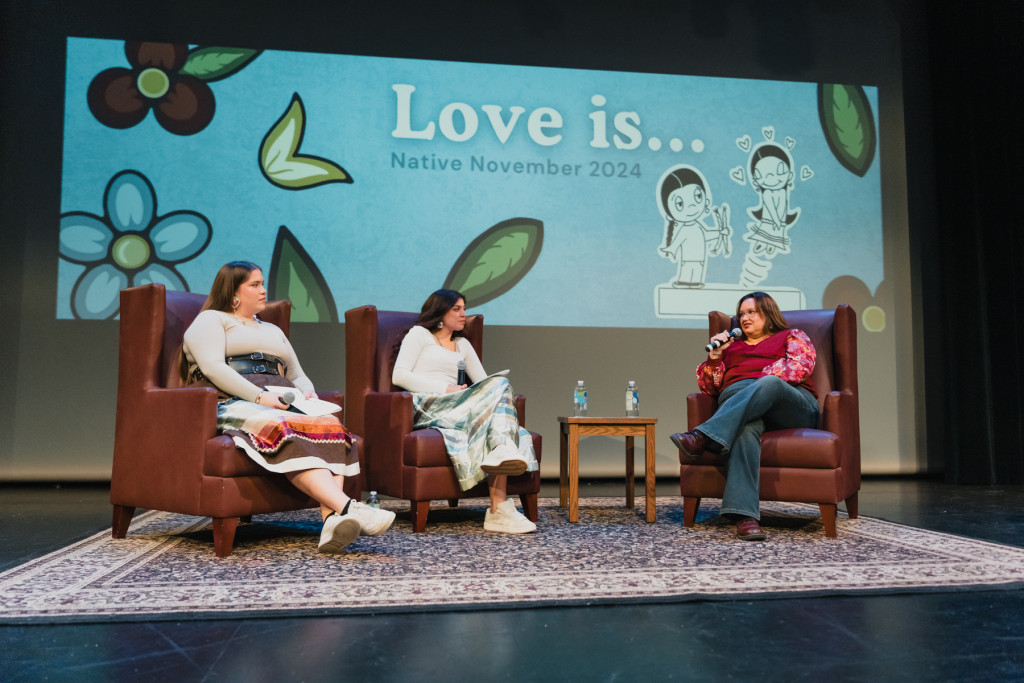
(508, 520)
(504, 459)
(338, 532)
(372, 521)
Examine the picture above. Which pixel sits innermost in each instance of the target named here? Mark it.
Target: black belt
(255, 363)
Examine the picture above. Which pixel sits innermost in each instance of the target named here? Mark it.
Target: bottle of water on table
(579, 400)
(373, 501)
(632, 400)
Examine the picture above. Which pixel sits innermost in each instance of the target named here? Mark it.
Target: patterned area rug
(166, 569)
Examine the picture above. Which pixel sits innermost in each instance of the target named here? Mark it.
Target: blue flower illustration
(130, 245)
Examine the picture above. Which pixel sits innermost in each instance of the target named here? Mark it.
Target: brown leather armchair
(799, 465)
(398, 461)
(167, 453)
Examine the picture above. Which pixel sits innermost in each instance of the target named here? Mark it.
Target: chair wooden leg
(224, 535)
(851, 506)
(418, 509)
(453, 502)
(690, 506)
(828, 518)
(122, 518)
(529, 501)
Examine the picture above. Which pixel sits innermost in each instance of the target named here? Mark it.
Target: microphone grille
(736, 332)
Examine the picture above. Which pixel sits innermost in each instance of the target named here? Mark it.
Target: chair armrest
(160, 440)
(835, 413)
(389, 417)
(521, 409)
(839, 415)
(699, 409)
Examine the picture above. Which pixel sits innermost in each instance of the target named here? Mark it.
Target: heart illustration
(768, 132)
(790, 142)
(743, 143)
(739, 176)
(806, 173)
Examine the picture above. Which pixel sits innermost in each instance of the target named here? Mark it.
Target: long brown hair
(769, 310)
(229, 278)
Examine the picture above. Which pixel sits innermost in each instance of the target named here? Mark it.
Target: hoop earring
(440, 325)
(235, 302)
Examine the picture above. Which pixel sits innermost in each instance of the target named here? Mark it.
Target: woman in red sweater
(763, 381)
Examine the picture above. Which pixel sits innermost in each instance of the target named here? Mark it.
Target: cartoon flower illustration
(182, 103)
(130, 245)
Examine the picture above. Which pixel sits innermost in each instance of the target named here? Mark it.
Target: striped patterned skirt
(286, 441)
(473, 422)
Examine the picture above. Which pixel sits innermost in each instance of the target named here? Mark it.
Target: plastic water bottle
(579, 400)
(373, 501)
(632, 400)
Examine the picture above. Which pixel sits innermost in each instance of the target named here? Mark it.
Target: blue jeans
(745, 410)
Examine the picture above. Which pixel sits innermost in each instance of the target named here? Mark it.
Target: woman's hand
(451, 388)
(309, 394)
(723, 337)
(269, 399)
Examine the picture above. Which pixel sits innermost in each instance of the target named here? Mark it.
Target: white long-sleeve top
(215, 335)
(424, 366)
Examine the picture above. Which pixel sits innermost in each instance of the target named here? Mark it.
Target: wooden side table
(572, 428)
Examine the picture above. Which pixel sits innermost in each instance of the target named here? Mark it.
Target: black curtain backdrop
(971, 259)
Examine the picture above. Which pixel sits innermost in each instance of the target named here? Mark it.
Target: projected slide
(547, 196)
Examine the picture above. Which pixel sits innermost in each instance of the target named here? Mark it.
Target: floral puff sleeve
(710, 375)
(798, 363)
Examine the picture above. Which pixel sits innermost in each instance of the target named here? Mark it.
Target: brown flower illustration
(181, 103)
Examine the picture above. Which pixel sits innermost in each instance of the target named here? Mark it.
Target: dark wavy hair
(432, 312)
(766, 306)
(229, 278)
(436, 307)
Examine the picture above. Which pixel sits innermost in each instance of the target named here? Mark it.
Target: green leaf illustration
(215, 63)
(295, 277)
(848, 125)
(281, 162)
(496, 260)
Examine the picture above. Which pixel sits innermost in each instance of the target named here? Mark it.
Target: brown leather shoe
(693, 444)
(749, 530)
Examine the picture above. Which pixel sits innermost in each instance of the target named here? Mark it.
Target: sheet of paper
(309, 406)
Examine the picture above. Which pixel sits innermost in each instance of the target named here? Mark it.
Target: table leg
(574, 473)
(630, 475)
(649, 477)
(563, 464)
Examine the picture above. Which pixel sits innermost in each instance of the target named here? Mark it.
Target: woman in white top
(228, 347)
(477, 419)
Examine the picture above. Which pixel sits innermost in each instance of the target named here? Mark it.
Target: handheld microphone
(287, 398)
(715, 344)
(461, 378)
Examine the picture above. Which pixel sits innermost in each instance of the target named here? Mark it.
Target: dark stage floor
(966, 636)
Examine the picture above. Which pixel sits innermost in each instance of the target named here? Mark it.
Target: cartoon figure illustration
(685, 199)
(771, 175)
